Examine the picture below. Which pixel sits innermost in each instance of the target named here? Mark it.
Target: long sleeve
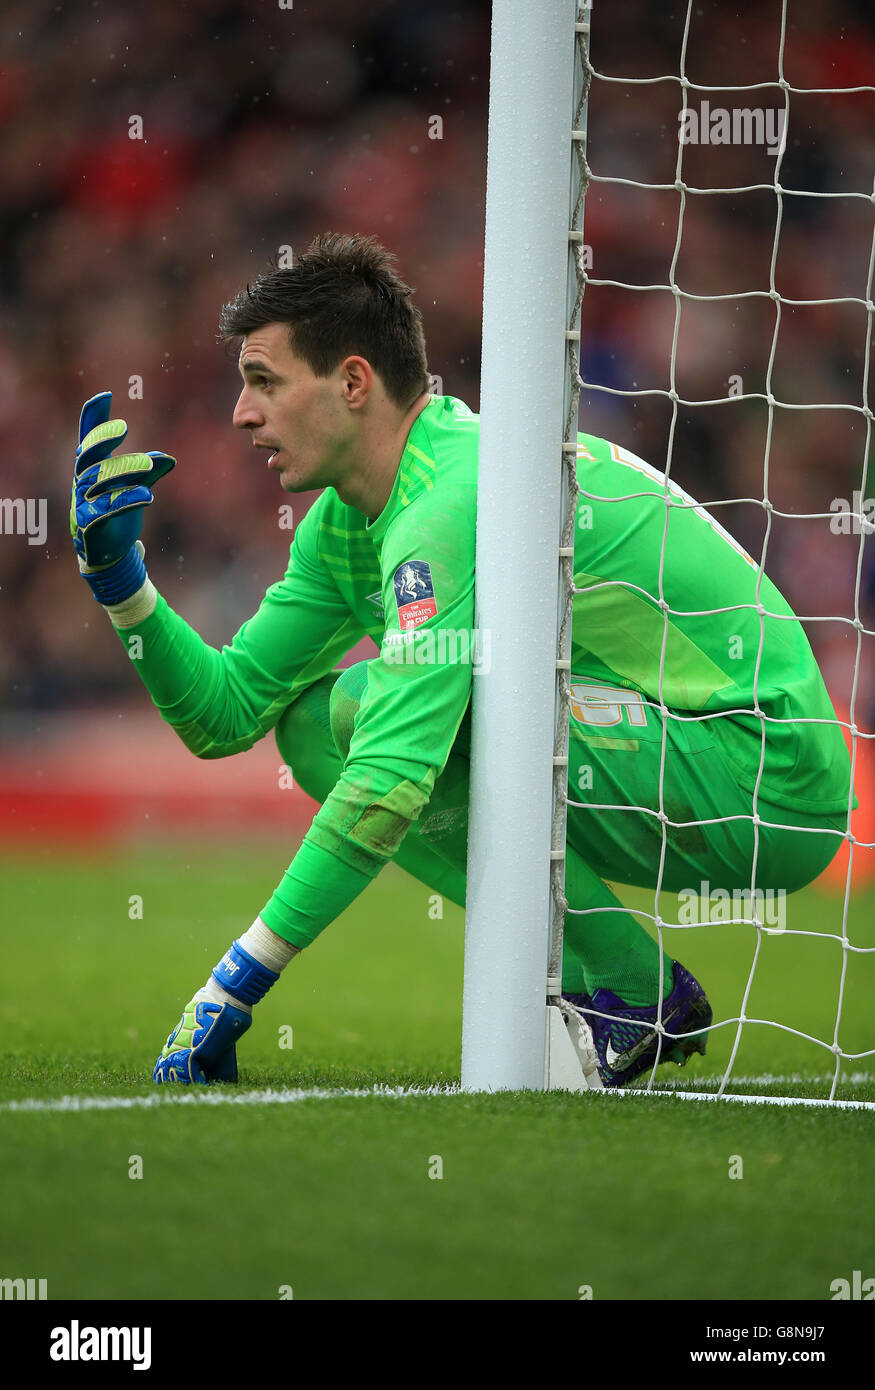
(222, 702)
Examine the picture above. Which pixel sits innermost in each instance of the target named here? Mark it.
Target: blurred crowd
(263, 124)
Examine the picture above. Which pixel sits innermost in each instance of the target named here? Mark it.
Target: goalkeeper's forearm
(185, 677)
(189, 685)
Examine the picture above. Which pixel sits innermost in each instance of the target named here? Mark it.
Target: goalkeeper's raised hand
(107, 501)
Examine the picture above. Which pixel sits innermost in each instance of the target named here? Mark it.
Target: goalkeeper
(336, 392)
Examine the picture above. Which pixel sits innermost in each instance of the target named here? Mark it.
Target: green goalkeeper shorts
(614, 824)
(614, 828)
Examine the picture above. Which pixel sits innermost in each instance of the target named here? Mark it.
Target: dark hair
(340, 297)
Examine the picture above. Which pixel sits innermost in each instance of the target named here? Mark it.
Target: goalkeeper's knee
(305, 742)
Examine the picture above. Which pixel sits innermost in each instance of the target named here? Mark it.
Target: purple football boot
(627, 1041)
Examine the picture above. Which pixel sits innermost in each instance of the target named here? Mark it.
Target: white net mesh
(696, 111)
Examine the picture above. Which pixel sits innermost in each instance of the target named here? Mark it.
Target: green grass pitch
(540, 1196)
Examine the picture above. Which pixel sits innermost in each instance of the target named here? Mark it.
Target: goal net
(706, 308)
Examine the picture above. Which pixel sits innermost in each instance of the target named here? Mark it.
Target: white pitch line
(744, 1100)
(225, 1096)
(216, 1096)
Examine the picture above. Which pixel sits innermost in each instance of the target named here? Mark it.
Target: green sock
(607, 949)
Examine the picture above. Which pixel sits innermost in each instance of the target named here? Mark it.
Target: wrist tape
(117, 582)
(242, 976)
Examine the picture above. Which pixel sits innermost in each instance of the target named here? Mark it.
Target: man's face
(297, 418)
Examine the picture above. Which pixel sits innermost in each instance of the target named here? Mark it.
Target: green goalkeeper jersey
(407, 580)
(724, 644)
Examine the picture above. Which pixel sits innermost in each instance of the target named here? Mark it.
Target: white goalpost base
(570, 1061)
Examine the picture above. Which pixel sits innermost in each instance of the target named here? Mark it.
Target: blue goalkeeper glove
(202, 1047)
(107, 501)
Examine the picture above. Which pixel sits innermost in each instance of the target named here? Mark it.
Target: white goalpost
(514, 1034)
(530, 293)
